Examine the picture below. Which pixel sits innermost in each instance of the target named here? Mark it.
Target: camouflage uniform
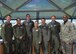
(65, 34)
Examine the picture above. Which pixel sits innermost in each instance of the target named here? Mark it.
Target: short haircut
(65, 16)
(43, 18)
(27, 14)
(18, 19)
(53, 16)
(8, 15)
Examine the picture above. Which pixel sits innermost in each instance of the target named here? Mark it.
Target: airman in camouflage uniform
(67, 28)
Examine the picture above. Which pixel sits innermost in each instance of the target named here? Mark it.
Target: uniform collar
(43, 24)
(65, 21)
(7, 22)
(18, 25)
(28, 21)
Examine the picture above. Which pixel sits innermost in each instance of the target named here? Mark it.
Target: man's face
(43, 21)
(65, 18)
(53, 18)
(8, 18)
(28, 17)
(18, 21)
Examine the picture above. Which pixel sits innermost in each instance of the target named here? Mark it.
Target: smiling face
(18, 21)
(65, 18)
(8, 18)
(36, 24)
(43, 21)
(53, 18)
(28, 17)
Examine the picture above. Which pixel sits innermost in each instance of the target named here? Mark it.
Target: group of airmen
(29, 36)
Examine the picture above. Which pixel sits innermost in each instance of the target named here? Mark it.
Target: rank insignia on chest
(54, 25)
(51, 25)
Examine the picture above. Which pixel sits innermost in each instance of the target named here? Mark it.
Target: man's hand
(5, 42)
(21, 37)
(39, 42)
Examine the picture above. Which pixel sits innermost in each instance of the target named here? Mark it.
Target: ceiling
(37, 8)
